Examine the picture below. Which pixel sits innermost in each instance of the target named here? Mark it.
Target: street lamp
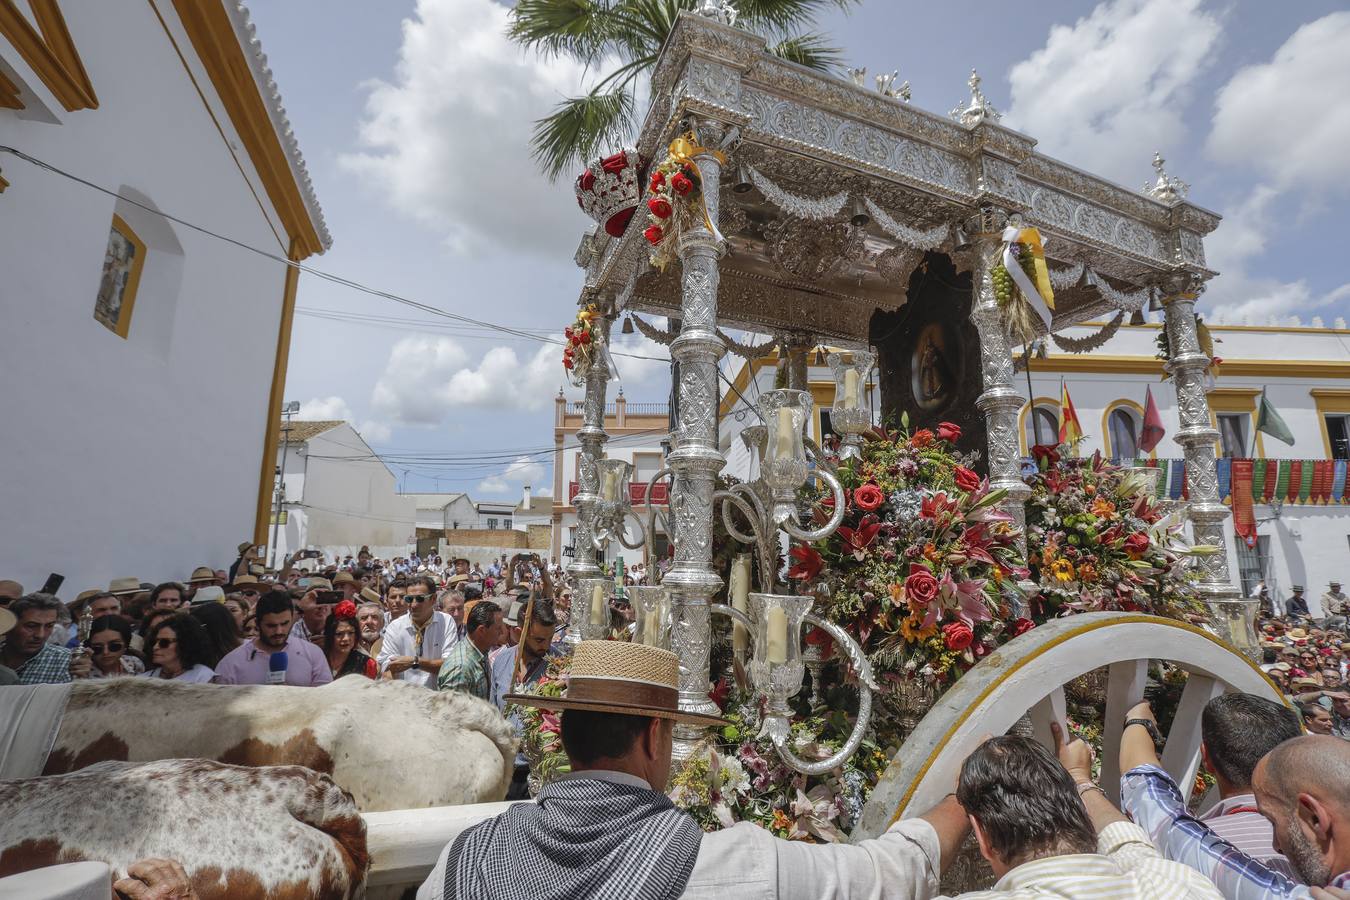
(288, 410)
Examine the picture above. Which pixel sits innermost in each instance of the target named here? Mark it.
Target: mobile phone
(52, 584)
(311, 554)
(328, 597)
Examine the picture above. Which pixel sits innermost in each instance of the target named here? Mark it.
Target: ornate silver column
(1000, 401)
(696, 459)
(591, 435)
(1233, 615)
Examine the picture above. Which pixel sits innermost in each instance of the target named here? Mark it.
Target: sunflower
(912, 630)
(1062, 569)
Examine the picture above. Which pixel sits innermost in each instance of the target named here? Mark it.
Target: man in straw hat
(607, 830)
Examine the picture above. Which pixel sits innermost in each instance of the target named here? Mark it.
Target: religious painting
(122, 264)
(934, 369)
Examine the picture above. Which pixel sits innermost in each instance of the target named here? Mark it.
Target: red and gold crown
(609, 190)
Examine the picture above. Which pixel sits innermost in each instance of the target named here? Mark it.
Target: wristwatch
(1150, 727)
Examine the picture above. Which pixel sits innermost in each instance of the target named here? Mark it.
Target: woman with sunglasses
(109, 641)
(178, 646)
(340, 636)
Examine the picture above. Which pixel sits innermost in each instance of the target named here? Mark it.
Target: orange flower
(921, 438)
(1103, 508)
(1087, 572)
(930, 552)
(781, 821)
(912, 630)
(1089, 489)
(898, 594)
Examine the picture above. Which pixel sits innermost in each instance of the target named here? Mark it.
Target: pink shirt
(306, 665)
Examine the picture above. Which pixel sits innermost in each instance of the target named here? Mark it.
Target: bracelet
(1148, 726)
(1086, 786)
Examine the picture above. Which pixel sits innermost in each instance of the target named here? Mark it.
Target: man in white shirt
(415, 644)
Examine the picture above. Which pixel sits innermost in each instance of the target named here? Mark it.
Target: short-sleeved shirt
(306, 666)
(50, 665)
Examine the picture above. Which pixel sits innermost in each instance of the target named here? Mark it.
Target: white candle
(651, 627)
(740, 590)
(610, 488)
(850, 389)
(776, 627)
(785, 429)
(598, 607)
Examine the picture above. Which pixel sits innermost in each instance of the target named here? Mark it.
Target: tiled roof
(300, 432)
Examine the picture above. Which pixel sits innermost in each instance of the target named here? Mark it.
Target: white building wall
(351, 500)
(162, 430)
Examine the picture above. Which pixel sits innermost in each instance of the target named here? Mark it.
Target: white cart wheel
(1028, 674)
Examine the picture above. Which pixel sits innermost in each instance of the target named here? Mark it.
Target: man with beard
(298, 662)
(508, 677)
(370, 619)
(1300, 788)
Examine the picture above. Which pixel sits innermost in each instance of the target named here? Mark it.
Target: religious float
(866, 614)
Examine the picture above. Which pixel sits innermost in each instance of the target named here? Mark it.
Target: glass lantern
(591, 603)
(651, 606)
(776, 667)
(784, 467)
(616, 499)
(850, 415)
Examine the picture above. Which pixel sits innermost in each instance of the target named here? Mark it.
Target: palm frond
(811, 50)
(575, 130)
(781, 18)
(577, 28)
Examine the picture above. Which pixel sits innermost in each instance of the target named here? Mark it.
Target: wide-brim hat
(622, 678)
(7, 620)
(1297, 589)
(209, 594)
(1297, 634)
(369, 595)
(320, 584)
(515, 613)
(202, 573)
(120, 587)
(343, 578)
(456, 579)
(244, 581)
(460, 559)
(245, 547)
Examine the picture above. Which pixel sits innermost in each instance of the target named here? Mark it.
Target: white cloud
(320, 408)
(428, 377)
(447, 141)
(1285, 118)
(374, 432)
(522, 471)
(1104, 93)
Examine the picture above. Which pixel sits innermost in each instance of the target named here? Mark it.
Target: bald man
(1302, 788)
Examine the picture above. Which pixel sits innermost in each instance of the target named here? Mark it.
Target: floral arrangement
(581, 343)
(1099, 542)
(923, 571)
(739, 777)
(541, 741)
(674, 199)
(1022, 248)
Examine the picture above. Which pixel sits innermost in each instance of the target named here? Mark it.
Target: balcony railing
(638, 493)
(577, 408)
(1311, 481)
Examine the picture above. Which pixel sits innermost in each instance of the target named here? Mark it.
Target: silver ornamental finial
(1166, 188)
(718, 10)
(884, 83)
(858, 76)
(979, 109)
(904, 92)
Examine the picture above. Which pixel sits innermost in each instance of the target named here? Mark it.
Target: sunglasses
(249, 592)
(418, 598)
(110, 647)
(165, 643)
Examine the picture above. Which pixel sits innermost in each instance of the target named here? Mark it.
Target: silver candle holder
(615, 506)
(850, 415)
(594, 617)
(651, 606)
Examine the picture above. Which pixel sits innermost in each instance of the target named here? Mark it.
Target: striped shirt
(1150, 797)
(1238, 822)
(1125, 867)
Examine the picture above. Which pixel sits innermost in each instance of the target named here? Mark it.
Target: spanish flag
(1070, 431)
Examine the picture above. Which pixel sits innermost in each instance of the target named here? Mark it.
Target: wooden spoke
(1124, 688)
(1181, 755)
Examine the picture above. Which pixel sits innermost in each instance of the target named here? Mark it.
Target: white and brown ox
(239, 831)
(391, 745)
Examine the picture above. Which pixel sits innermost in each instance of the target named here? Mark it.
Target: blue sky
(413, 117)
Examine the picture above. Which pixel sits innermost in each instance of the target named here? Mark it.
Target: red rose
(660, 207)
(584, 337)
(615, 163)
(654, 234)
(587, 180)
(868, 497)
(957, 635)
(920, 586)
(1137, 543)
(345, 610)
(949, 432)
(681, 184)
(967, 480)
(658, 181)
(1022, 626)
(567, 362)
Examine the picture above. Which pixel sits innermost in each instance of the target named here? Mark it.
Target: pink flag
(1152, 432)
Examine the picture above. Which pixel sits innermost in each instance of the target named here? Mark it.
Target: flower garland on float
(675, 198)
(581, 345)
(1021, 282)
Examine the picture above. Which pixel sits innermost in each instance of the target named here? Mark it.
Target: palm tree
(598, 32)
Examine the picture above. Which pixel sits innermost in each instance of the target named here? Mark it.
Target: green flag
(1268, 420)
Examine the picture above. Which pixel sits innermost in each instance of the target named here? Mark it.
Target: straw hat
(202, 573)
(244, 547)
(7, 620)
(456, 579)
(1297, 634)
(121, 587)
(369, 596)
(244, 582)
(320, 584)
(343, 578)
(209, 594)
(624, 678)
(515, 613)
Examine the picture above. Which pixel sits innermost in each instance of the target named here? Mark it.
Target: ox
(277, 831)
(392, 745)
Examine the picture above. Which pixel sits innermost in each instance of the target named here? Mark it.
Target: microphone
(276, 668)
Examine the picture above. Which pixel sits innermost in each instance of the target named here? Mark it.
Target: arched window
(1123, 427)
(1042, 426)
